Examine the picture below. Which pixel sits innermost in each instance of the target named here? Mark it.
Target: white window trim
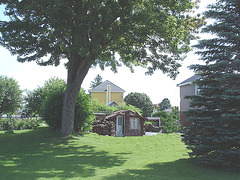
(136, 123)
(108, 94)
(197, 90)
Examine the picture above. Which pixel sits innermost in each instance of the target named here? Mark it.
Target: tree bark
(77, 70)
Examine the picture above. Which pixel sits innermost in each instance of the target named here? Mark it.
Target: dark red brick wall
(127, 131)
(132, 132)
(183, 119)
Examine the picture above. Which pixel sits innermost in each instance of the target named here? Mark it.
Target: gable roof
(103, 87)
(189, 80)
(112, 104)
(123, 112)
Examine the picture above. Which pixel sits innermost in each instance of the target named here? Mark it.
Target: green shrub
(169, 122)
(161, 114)
(5, 124)
(18, 124)
(150, 122)
(83, 113)
(124, 106)
(52, 110)
(103, 108)
(30, 123)
(35, 99)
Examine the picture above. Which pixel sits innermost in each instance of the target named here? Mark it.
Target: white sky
(156, 86)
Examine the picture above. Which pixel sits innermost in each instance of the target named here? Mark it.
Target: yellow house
(107, 92)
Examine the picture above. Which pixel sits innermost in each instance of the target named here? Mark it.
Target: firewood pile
(152, 128)
(104, 127)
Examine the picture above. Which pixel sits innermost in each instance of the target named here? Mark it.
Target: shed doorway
(119, 126)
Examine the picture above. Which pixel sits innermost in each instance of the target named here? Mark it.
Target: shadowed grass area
(43, 154)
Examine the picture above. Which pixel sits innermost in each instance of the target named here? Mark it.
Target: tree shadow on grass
(42, 153)
(182, 169)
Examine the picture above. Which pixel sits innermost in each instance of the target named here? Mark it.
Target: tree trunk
(77, 70)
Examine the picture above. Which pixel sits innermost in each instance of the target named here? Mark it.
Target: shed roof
(103, 87)
(189, 80)
(122, 113)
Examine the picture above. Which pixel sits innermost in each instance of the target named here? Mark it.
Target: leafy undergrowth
(43, 154)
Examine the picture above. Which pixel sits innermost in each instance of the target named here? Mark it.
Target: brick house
(127, 123)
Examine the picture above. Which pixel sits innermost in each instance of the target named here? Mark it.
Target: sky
(157, 86)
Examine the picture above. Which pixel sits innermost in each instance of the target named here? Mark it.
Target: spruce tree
(97, 80)
(214, 134)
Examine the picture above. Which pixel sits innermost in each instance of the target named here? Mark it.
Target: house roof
(153, 118)
(103, 87)
(122, 113)
(113, 103)
(189, 80)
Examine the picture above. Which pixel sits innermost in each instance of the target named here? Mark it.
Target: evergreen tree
(97, 80)
(214, 136)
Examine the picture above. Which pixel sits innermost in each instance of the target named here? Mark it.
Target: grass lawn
(43, 154)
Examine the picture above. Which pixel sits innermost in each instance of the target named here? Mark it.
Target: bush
(150, 122)
(130, 107)
(35, 99)
(5, 124)
(18, 124)
(161, 114)
(103, 108)
(83, 113)
(170, 122)
(52, 110)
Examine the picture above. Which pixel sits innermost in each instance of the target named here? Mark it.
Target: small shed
(127, 123)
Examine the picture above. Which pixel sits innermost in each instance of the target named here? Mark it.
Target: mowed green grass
(43, 154)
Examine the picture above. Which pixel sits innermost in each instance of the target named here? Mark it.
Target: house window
(197, 91)
(120, 120)
(133, 123)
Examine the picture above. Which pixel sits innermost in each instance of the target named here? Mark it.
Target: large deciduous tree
(10, 95)
(214, 136)
(164, 104)
(153, 34)
(141, 101)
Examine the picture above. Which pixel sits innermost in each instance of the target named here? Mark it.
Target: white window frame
(197, 90)
(134, 123)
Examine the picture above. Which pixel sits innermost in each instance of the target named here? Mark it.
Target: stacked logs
(152, 128)
(104, 127)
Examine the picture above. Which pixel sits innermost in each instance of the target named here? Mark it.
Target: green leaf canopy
(149, 33)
